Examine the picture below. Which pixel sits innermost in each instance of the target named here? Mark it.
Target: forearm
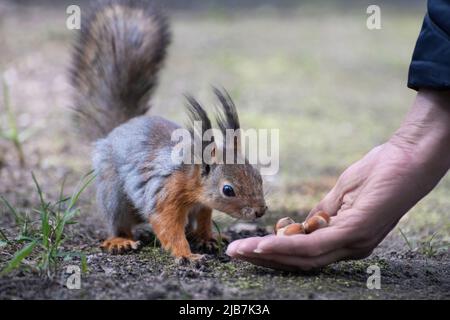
(425, 132)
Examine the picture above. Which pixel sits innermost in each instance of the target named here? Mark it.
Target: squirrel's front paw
(212, 245)
(118, 245)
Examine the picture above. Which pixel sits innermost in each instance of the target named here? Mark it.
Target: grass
(428, 249)
(432, 247)
(3, 239)
(21, 218)
(408, 243)
(12, 132)
(220, 238)
(45, 242)
(425, 245)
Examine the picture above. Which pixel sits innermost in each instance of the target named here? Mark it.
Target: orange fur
(204, 224)
(181, 194)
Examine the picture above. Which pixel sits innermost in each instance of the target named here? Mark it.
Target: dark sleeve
(430, 65)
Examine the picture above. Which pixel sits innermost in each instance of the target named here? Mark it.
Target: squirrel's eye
(228, 191)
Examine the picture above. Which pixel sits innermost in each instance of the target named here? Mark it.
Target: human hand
(370, 196)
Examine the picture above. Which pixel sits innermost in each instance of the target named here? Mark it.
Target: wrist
(425, 133)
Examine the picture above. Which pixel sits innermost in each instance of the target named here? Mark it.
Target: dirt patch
(152, 274)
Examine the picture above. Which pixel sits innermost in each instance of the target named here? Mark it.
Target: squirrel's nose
(260, 212)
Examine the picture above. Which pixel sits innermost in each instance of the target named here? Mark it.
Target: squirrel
(117, 56)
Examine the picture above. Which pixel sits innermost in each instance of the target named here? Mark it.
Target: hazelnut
(319, 220)
(291, 229)
(286, 226)
(324, 215)
(283, 222)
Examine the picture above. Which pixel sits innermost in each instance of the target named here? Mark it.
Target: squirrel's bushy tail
(117, 56)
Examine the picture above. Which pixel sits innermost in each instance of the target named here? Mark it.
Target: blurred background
(312, 69)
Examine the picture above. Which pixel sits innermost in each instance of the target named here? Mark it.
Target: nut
(283, 222)
(294, 228)
(319, 220)
(286, 226)
(324, 215)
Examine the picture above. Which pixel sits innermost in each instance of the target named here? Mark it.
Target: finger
(231, 248)
(330, 203)
(350, 179)
(241, 246)
(305, 245)
(288, 262)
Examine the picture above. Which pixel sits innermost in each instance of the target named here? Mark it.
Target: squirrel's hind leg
(117, 209)
(122, 219)
(119, 245)
(121, 239)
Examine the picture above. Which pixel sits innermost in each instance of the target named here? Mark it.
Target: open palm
(370, 196)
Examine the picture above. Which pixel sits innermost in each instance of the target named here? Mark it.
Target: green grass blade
(73, 200)
(53, 219)
(70, 213)
(38, 187)
(45, 225)
(3, 236)
(61, 198)
(13, 133)
(406, 239)
(24, 238)
(219, 241)
(18, 257)
(17, 217)
(84, 264)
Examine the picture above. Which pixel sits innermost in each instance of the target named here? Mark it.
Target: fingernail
(258, 250)
(240, 252)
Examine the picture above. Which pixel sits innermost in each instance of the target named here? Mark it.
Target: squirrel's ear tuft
(197, 114)
(200, 123)
(227, 119)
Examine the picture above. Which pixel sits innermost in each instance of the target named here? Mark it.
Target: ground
(334, 89)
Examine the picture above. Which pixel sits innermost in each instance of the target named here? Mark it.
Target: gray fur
(132, 164)
(120, 49)
(117, 57)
